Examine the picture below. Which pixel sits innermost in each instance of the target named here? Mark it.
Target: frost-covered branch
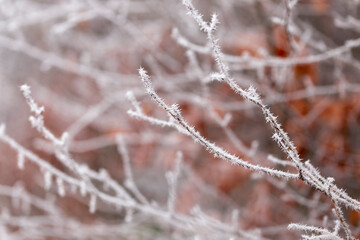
(181, 124)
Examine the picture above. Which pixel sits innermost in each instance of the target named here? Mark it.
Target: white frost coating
(37, 121)
(253, 95)
(33, 106)
(322, 233)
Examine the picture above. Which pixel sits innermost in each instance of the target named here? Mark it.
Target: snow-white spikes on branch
(337, 209)
(32, 104)
(305, 172)
(217, 77)
(321, 233)
(196, 15)
(37, 121)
